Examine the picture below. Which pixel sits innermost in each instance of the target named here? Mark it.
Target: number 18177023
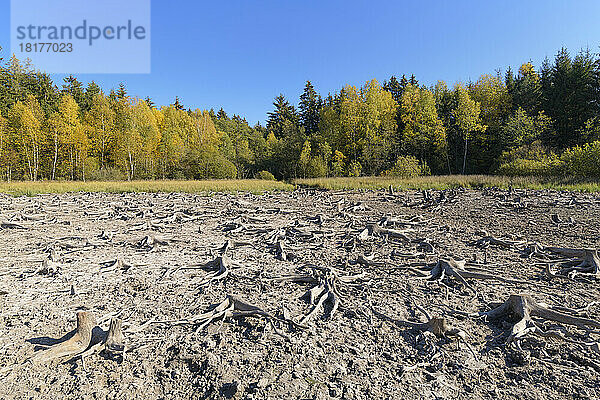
(46, 47)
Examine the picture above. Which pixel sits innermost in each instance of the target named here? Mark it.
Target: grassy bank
(207, 186)
(447, 182)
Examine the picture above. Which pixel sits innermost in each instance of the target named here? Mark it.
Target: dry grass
(207, 186)
(447, 182)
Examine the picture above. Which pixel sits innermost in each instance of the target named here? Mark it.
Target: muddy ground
(57, 256)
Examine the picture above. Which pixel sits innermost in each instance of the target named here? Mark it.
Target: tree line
(523, 122)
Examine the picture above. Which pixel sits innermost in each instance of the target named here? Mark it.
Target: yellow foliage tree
(25, 126)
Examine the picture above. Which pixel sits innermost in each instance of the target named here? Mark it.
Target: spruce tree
(74, 87)
(177, 104)
(121, 91)
(222, 115)
(150, 103)
(284, 113)
(394, 87)
(310, 108)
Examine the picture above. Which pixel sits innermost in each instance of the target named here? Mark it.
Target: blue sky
(240, 54)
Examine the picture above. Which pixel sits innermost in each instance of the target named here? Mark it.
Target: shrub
(207, 165)
(338, 166)
(106, 174)
(408, 167)
(548, 166)
(317, 168)
(354, 168)
(265, 176)
(582, 161)
(530, 160)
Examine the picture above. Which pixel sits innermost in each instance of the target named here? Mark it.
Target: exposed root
(396, 222)
(106, 235)
(114, 344)
(456, 269)
(281, 252)
(487, 240)
(558, 221)
(230, 244)
(75, 345)
(232, 306)
(580, 263)
(376, 230)
(548, 252)
(324, 293)
(150, 241)
(522, 308)
(49, 267)
(369, 261)
(532, 250)
(116, 264)
(12, 225)
(436, 325)
(219, 268)
(589, 266)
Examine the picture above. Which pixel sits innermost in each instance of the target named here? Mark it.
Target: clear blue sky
(240, 54)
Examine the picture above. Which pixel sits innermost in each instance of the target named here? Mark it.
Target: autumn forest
(535, 120)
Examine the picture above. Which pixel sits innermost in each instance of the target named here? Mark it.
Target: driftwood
(114, 344)
(487, 240)
(232, 306)
(281, 253)
(324, 292)
(450, 268)
(436, 325)
(73, 346)
(116, 264)
(150, 241)
(523, 307)
(12, 225)
(376, 230)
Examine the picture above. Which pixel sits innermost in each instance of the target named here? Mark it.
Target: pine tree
(222, 115)
(310, 108)
(74, 88)
(403, 82)
(121, 91)
(413, 80)
(526, 90)
(178, 106)
(149, 102)
(91, 91)
(395, 88)
(283, 114)
(560, 100)
(509, 80)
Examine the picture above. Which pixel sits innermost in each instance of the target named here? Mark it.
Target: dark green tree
(74, 87)
(222, 114)
(395, 88)
(121, 91)
(177, 104)
(310, 109)
(150, 103)
(284, 113)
